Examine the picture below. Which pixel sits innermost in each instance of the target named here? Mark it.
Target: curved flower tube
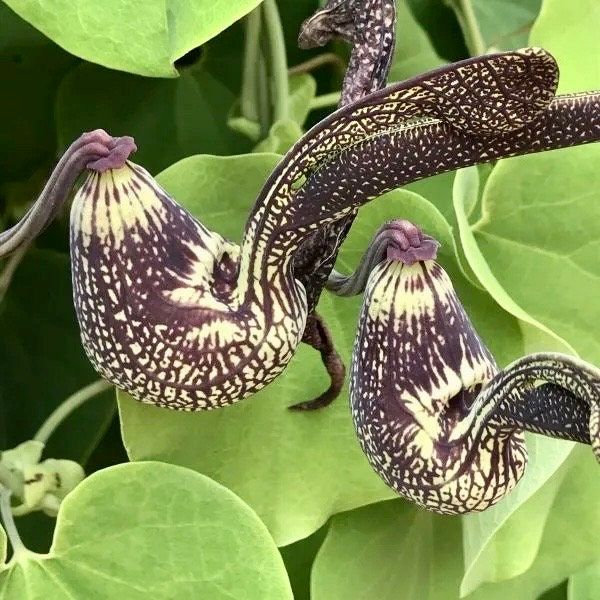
(478, 110)
(180, 317)
(369, 26)
(92, 150)
(549, 393)
(427, 125)
(436, 419)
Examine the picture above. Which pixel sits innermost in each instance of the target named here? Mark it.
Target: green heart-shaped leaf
(144, 38)
(413, 53)
(569, 30)
(395, 551)
(152, 530)
(169, 118)
(585, 584)
(541, 229)
(500, 24)
(389, 551)
(487, 534)
(569, 540)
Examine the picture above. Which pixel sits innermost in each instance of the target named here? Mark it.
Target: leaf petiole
(249, 92)
(8, 521)
(64, 409)
(468, 20)
(327, 58)
(325, 100)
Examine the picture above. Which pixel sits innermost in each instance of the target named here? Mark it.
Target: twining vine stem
(474, 38)
(278, 60)
(68, 406)
(249, 93)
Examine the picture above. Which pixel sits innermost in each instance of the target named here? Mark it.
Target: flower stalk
(277, 60)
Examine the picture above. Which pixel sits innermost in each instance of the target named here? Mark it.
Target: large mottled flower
(163, 311)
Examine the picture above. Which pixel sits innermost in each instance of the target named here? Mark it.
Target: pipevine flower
(180, 317)
(475, 111)
(436, 418)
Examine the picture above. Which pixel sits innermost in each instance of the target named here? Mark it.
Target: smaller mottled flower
(434, 416)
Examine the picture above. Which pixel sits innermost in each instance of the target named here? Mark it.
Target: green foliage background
(208, 498)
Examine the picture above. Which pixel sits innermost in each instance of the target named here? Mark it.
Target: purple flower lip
(398, 241)
(118, 150)
(408, 244)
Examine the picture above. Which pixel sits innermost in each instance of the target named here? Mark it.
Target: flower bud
(40, 485)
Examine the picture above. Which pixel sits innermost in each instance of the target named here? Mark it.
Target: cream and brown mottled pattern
(469, 112)
(417, 367)
(180, 317)
(205, 323)
(550, 393)
(156, 297)
(369, 26)
(436, 419)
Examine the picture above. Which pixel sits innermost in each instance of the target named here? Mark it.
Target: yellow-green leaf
(151, 530)
(140, 37)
